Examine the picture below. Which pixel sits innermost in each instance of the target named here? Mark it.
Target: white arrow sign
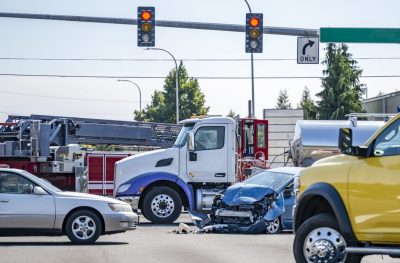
(307, 50)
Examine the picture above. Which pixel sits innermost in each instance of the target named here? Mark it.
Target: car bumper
(132, 200)
(120, 222)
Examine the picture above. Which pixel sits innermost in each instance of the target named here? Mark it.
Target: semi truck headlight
(120, 207)
(123, 188)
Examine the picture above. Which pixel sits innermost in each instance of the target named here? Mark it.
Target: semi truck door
(374, 189)
(209, 162)
(261, 140)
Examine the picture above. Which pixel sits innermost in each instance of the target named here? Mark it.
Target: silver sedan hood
(87, 197)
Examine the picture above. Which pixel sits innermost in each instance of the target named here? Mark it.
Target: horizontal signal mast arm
(165, 23)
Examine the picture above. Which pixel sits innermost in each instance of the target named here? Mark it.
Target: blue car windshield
(181, 140)
(270, 179)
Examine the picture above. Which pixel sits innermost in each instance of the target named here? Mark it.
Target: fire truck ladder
(33, 135)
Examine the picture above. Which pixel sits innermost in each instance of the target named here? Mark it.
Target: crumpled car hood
(245, 194)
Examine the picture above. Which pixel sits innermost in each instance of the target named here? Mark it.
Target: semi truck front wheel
(162, 205)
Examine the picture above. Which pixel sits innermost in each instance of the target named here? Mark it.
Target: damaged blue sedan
(261, 204)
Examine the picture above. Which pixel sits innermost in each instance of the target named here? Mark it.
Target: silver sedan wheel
(273, 227)
(83, 227)
(325, 244)
(162, 205)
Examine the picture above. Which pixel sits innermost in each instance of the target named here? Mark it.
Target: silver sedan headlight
(120, 207)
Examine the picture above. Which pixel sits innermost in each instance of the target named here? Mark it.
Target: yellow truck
(348, 205)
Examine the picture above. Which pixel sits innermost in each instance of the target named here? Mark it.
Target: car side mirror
(346, 144)
(37, 190)
(346, 140)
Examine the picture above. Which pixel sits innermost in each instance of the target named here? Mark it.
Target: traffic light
(254, 33)
(146, 26)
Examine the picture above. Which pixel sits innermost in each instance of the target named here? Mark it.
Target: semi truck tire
(318, 239)
(162, 205)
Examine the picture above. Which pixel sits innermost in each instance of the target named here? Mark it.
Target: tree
(308, 105)
(283, 100)
(342, 89)
(162, 107)
(231, 114)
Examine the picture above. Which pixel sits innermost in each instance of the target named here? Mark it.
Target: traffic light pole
(284, 31)
(253, 115)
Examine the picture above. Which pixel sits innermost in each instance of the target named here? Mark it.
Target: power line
(197, 77)
(181, 59)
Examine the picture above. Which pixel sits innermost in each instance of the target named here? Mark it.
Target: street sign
(359, 35)
(307, 50)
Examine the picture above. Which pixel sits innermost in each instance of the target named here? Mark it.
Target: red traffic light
(254, 21)
(145, 15)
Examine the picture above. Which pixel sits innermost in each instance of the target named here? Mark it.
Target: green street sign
(359, 35)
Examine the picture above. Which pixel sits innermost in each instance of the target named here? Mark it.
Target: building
(281, 125)
(387, 103)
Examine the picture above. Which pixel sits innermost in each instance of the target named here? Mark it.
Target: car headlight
(120, 207)
(123, 188)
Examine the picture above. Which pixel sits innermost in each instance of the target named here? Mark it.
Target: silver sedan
(32, 206)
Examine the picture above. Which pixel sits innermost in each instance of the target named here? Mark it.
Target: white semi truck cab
(202, 163)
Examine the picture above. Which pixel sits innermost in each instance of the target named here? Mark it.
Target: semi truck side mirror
(191, 148)
(190, 141)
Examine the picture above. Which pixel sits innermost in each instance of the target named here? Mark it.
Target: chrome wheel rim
(83, 227)
(162, 205)
(273, 226)
(325, 245)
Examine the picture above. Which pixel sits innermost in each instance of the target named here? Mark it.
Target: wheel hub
(324, 245)
(83, 227)
(273, 226)
(162, 205)
(324, 248)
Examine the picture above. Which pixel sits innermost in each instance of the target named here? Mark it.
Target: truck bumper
(132, 200)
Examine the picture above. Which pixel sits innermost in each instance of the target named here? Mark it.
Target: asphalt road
(155, 243)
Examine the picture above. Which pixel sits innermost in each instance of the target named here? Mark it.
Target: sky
(110, 99)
